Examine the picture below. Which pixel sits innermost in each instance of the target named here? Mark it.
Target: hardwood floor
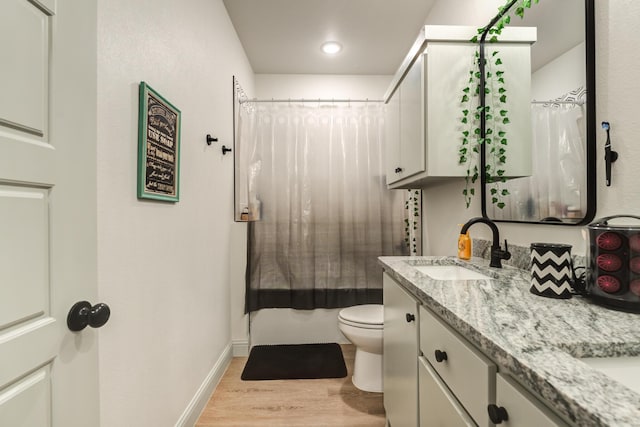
(321, 402)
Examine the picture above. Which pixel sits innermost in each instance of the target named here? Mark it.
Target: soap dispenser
(464, 246)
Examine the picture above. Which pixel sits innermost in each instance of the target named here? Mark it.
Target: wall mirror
(562, 188)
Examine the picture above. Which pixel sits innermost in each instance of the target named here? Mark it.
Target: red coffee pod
(634, 287)
(609, 241)
(634, 242)
(634, 264)
(609, 284)
(609, 262)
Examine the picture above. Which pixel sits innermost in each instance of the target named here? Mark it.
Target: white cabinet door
(400, 355)
(48, 375)
(412, 120)
(447, 71)
(522, 409)
(438, 407)
(392, 142)
(405, 126)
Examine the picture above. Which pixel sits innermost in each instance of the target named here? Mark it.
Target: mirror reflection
(560, 189)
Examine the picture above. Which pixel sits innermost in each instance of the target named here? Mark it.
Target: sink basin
(450, 272)
(623, 369)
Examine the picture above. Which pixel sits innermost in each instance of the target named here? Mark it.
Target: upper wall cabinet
(424, 109)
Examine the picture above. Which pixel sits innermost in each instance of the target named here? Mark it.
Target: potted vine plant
(485, 113)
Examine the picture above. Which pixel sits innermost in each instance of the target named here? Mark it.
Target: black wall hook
(225, 150)
(211, 139)
(610, 156)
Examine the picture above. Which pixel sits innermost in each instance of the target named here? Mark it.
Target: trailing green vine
(411, 222)
(496, 114)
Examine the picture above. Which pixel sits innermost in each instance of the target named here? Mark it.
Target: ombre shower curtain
(557, 188)
(318, 207)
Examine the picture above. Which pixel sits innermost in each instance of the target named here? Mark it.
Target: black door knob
(497, 414)
(83, 314)
(410, 317)
(441, 356)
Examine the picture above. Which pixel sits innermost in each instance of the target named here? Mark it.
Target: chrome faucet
(497, 254)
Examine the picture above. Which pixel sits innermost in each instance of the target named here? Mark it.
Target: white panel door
(48, 374)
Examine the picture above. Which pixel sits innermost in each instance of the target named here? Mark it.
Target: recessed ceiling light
(331, 48)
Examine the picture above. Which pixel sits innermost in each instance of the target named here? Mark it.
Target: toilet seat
(367, 316)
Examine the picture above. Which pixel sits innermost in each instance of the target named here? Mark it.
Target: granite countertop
(537, 340)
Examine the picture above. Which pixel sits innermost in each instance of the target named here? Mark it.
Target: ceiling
(284, 36)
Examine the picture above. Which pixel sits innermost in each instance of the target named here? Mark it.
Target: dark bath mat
(294, 361)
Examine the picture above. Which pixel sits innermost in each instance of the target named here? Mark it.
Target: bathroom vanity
(482, 348)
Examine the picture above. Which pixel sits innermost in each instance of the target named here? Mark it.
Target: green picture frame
(158, 147)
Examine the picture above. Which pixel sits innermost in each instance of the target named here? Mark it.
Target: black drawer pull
(497, 414)
(441, 356)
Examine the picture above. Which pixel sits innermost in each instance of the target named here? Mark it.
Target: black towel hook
(610, 156)
(211, 139)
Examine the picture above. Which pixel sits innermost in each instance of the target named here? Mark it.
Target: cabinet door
(447, 73)
(522, 408)
(438, 407)
(412, 142)
(392, 142)
(400, 355)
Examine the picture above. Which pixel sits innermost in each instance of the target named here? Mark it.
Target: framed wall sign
(158, 147)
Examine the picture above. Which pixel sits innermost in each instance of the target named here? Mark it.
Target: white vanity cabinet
(424, 109)
(434, 377)
(520, 407)
(400, 355)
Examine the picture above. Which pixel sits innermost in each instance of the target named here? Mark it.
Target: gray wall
(165, 268)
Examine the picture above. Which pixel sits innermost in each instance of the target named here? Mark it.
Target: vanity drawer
(438, 407)
(523, 409)
(468, 373)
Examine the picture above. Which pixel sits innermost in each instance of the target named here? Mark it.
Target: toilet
(362, 325)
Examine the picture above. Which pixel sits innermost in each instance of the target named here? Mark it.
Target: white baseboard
(192, 412)
(240, 348)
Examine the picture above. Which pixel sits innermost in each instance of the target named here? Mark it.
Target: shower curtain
(320, 213)
(557, 188)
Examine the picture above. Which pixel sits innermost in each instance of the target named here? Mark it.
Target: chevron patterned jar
(551, 270)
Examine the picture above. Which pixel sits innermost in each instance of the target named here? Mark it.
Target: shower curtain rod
(558, 102)
(309, 100)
